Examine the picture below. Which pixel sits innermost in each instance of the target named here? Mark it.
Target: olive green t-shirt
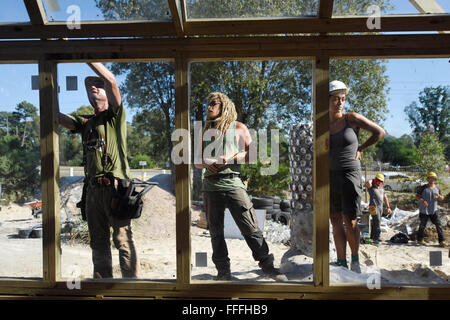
(92, 129)
(219, 183)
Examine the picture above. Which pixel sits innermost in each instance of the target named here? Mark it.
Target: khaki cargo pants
(241, 208)
(98, 212)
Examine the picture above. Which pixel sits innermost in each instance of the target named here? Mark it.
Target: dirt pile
(158, 215)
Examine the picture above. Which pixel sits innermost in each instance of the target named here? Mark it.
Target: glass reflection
(217, 230)
(106, 10)
(107, 161)
(250, 9)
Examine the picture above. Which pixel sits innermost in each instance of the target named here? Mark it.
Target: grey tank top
(343, 147)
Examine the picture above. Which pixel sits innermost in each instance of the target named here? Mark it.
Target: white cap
(338, 85)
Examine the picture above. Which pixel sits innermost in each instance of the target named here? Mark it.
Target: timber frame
(181, 42)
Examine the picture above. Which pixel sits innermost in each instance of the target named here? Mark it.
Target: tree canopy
(431, 115)
(19, 152)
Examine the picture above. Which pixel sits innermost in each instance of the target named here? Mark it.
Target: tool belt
(223, 176)
(127, 202)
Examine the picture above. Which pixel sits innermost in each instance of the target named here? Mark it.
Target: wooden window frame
(48, 53)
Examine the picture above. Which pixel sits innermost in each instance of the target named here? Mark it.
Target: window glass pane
(106, 10)
(20, 181)
(149, 107)
(239, 221)
(249, 9)
(13, 11)
(384, 7)
(409, 99)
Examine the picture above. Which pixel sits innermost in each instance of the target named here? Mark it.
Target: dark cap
(94, 81)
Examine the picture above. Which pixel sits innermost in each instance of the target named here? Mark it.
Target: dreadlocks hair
(227, 116)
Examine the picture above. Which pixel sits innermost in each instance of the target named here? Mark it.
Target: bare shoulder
(355, 117)
(240, 125)
(242, 132)
(357, 120)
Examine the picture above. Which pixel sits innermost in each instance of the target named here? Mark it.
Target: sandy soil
(155, 241)
(154, 236)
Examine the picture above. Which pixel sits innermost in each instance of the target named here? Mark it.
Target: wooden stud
(48, 99)
(177, 17)
(36, 12)
(326, 9)
(182, 174)
(427, 7)
(321, 171)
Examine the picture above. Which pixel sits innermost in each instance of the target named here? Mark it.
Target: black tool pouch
(127, 201)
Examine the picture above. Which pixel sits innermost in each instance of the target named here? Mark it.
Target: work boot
(223, 275)
(274, 274)
(339, 263)
(421, 242)
(442, 244)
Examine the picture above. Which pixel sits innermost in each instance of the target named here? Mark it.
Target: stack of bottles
(300, 166)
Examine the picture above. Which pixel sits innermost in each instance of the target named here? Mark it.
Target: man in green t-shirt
(223, 188)
(105, 165)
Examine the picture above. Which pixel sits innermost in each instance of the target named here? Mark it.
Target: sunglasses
(213, 103)
(98, 84)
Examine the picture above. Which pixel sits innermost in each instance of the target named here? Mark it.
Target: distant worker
(377, 198)
(223, 187)
(427, 195)
(345, 172)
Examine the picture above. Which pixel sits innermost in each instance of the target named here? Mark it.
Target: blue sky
(407, 76)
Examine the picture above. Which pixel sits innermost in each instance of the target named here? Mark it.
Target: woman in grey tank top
(345, 172)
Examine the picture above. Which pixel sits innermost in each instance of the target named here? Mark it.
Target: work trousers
(100, 220)
(243, 213)
(423, 223)
(375, 228)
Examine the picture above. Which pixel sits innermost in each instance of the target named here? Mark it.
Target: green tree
(134, 163)
(431, 115)
(431, 154)
(401, 151)
(20, 152)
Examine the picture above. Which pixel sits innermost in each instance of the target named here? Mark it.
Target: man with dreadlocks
(225, 145)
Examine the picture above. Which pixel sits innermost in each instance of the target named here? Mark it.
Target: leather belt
(223, 176)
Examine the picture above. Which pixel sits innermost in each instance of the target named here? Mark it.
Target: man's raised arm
(111, 86)
(66, 121)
